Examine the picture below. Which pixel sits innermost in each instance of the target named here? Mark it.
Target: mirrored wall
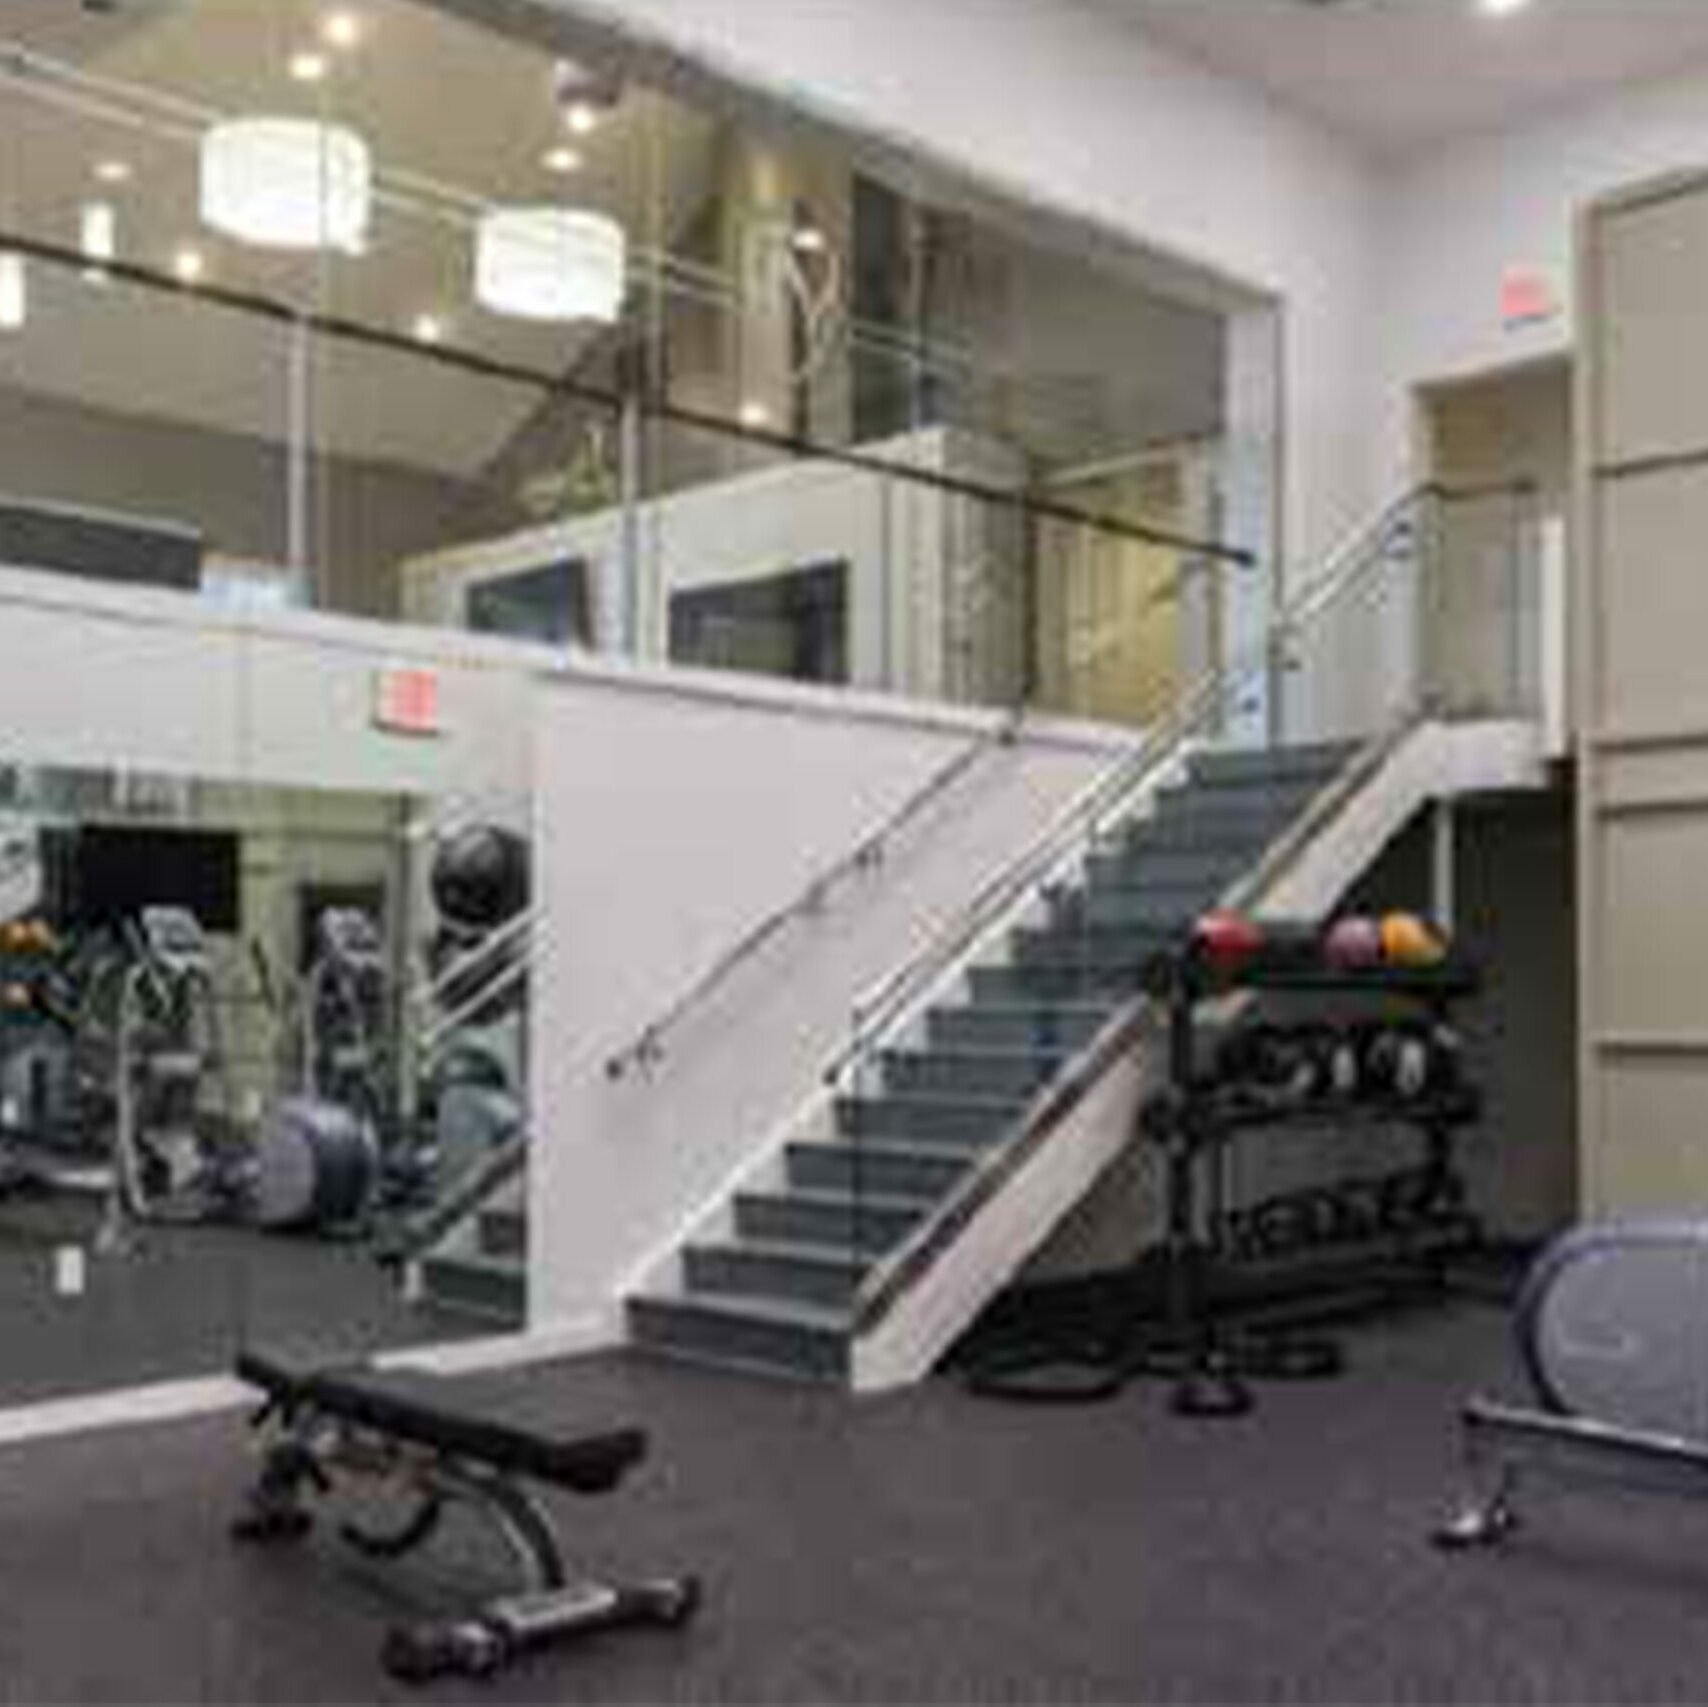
(375, 309)
(262, 1074)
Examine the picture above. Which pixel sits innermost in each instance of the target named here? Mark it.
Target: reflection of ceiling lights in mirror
(551, 263)
(113, 171)
(582, 117)
(809, 240)
(98, 231)
(341, 30)
(563, 161)
(14, 293)
(288, 184)
(428, 329)
(308, 67)
(190, 264)
(754, 414)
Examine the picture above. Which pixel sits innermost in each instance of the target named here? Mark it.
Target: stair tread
(791, 1313)
(943, 1099)
(785, 1250)
(824, 1197)
(898, 1148)
(972, 1051)
(1066, 1008)
(489, 1262)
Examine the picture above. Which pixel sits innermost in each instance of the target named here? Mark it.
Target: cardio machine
(1610, 1334)
(318, 1153)
(174, 1159)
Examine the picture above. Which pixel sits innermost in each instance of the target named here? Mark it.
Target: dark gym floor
(180, 1302)
(925, 1547)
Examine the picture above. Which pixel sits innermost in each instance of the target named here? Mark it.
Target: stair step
(828, 1218)
(1270, 764)
(1171, 909)
(502, 1232)
(1139, 866)
(1196, 832)
(940, 1070)
(810, 1274)
(776, 1336)
(1233, 803)
(1008, 986)
(928, 1120)
(1021, 1025)
(491, 1287)
(907, 1170)
(1121, 947)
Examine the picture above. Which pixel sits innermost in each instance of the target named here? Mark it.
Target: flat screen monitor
(117, 870)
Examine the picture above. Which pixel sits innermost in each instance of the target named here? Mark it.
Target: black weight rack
(1411, 1225)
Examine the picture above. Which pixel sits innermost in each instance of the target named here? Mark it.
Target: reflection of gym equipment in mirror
(161, 1070)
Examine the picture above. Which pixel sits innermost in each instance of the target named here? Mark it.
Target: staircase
(481, 1270)
(775, 1291)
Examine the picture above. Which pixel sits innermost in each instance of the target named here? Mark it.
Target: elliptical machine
(174, 1159)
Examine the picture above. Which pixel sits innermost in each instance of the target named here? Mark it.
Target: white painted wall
(1454, 220)
(109, 677)
(670, 823)
(917, 557)
(1051, 104)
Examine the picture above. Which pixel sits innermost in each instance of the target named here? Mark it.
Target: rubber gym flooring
(178, 1303)
(925, 1547)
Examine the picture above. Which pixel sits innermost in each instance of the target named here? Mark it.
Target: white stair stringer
(1434, 761)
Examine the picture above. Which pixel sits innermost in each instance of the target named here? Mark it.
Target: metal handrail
(887, 1281)
(648, 1046)
(430, 993)
(1347, 570)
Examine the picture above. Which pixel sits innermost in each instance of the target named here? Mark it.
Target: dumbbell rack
(1196, 1122)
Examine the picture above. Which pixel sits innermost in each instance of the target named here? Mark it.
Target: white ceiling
(1399, 75)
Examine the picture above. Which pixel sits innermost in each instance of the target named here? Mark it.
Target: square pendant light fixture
(551, 263)
(287, 184)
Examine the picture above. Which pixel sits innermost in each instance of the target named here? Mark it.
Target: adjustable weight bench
(318, 1425)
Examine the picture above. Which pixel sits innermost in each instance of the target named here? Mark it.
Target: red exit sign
(1527, 297)
(406, 700)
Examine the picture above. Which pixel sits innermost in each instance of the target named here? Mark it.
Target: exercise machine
(345, 1016)
(318, 1154)
(322, 1428)
(173, 1159)
(1609, 1330)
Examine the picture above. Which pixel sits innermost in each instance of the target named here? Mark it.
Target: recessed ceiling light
(1499, 8)
(428, 329)
(753, 413)
(561, 160)
(98, 231)
(113, 171)
(191, 265)
(582, 117)
(341, 29)
(14, 293)
(308, 66)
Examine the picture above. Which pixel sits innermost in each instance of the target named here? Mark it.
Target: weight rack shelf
(1196, 1122)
